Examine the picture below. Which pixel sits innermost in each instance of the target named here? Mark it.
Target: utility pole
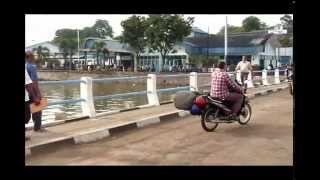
(208, 45)
(225, 41)
(78, 46)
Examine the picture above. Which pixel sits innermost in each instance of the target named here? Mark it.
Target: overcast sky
(39, 28)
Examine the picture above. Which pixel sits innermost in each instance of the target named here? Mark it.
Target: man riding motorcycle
(225, 90)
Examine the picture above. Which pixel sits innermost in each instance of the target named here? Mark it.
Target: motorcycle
(217, 112)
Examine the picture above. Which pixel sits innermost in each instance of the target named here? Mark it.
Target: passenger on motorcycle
(225, 90)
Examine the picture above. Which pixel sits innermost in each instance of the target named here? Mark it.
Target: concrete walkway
(94, 129)
(266, 140)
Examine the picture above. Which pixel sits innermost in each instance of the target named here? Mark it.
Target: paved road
(267, 140)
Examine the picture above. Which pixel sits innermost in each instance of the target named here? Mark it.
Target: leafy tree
(105, 52)
(134, 34)
(252, 23)
(103, 28)
(286, 41)
(203, 60)
(42, 53)
(231, 29)
(98, 46)
(66, 39)
(164, 31)
(287, 23)
(119, 38)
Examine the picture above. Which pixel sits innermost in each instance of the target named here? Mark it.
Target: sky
(40, 28)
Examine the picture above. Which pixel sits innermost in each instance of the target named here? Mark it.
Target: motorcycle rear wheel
(207, 118)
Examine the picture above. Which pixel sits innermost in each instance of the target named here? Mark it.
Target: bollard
(152, 90)
(87, 105)
(276, 76)
(239, 77)
(265, 78)
(193, 80)
(249, 81)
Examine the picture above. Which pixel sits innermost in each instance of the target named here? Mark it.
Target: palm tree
(42, 53)
(98, 46)
(68, 47)
(104, 52)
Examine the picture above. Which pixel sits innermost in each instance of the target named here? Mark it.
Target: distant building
(119, 53)
(122, 54)
(53, 50)
(176, 59)
(196, 32)
(259, 46)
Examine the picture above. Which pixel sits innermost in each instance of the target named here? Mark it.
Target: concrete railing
(86, 91)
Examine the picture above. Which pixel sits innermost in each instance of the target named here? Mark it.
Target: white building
(53, 50)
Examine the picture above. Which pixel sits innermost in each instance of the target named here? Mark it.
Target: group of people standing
(32, 93)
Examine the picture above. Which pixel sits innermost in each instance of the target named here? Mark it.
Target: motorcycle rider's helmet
(200, 102)
(195, 110)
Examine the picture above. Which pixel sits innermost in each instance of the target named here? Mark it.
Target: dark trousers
(36, 117)
(27, 112)
(244, 77)
(235, 100)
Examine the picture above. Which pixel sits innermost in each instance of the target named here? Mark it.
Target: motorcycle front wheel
(206, 120)
(245, 114)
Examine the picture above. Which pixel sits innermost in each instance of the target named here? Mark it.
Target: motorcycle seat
(215, 100)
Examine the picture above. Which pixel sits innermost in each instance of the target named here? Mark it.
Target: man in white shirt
(245, 67)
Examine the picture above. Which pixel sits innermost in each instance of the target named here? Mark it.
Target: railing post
(249, 81)
(276, 76)
(152, 90)
(238, 77)
(193, 81)
(86, 93)
(265, 78)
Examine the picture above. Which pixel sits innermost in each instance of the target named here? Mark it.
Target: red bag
(200, 101)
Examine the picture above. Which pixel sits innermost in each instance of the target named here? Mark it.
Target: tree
(119, 38)
(103, 28)
(98, 46)
(164, 31)
(252, 23)
(66, 39)
(286, 41)
(287, 23)
(231, 29)
(42, 53)
(203, 60)
(134, 34)
(104, 52)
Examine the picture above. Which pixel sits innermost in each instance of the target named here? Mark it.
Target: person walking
(28, 92)
(245, 67)
(32, 71)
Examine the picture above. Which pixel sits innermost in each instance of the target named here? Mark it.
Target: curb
(101, 133)
(98, 134)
